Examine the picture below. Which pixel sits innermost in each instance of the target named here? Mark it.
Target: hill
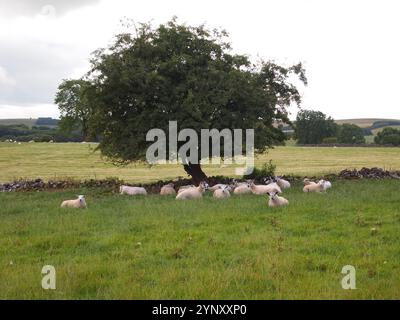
(370, 123)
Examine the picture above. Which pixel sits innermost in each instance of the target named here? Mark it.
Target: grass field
(79, 161)
(153, 247)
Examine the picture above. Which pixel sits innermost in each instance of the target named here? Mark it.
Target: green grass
(160, 248)
(79, 161)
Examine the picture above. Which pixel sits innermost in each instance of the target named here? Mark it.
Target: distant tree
(388, 136)
(350, 133)
(313, 126)
(75, 99)
(186, 74)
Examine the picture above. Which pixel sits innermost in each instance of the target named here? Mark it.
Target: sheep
(193, 193)
(264, 189)
(276, 201)
(220, 186)
(168, 189)
(222, 192)
(314, 187)
(307, 181)
(326, 184)
(282, 183)
(182, 188)
(77, 203)
(132, 191)
(242, 188)
(236, 183)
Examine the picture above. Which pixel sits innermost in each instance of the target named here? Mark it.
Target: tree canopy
(187, 74)
(75, 100)
(350, 133)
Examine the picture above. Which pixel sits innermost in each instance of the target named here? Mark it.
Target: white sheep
(326, 184)
(182, 188)
(265, 189)
(132, 191)
(76, 203)
(220, 186)
(314, 187)
(168, 189)
(276, 201)
(282, 183)
(193, 193)
(222, 192)
(242, 188)
(307, 181)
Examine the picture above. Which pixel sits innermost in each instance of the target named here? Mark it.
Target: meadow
(81, 161)
(155, 247)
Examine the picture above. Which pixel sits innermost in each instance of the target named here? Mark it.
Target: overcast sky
(350, 48)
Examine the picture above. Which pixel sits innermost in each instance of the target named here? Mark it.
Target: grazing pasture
(237, 248)
(80, 161)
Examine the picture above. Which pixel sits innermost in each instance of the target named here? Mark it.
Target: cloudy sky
(350, 48)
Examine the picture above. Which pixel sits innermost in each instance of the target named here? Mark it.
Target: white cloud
(349, 48)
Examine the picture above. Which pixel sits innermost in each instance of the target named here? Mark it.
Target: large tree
(313, 126)
(186, 74)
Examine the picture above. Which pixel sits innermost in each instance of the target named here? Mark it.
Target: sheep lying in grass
(193, 193)
(276, 201)
(168, 189)
(307, 181)
(183, 188)
(76, 203)
(222, 192)
(326, 184)
(264, 189)
(282, 183)
(220, 186)
(242, 188)
(132, 191)
(314, 187)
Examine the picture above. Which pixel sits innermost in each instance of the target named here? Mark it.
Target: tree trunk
(195, 171)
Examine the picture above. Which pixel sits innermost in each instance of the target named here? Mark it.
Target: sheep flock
(272, 189)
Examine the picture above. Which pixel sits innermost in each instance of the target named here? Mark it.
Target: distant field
(376, 131)
(9, 122)
(363, 123)
(28, 122)
(160, 248)
(79, 161)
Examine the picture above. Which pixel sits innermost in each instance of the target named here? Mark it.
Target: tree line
(314, 127)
